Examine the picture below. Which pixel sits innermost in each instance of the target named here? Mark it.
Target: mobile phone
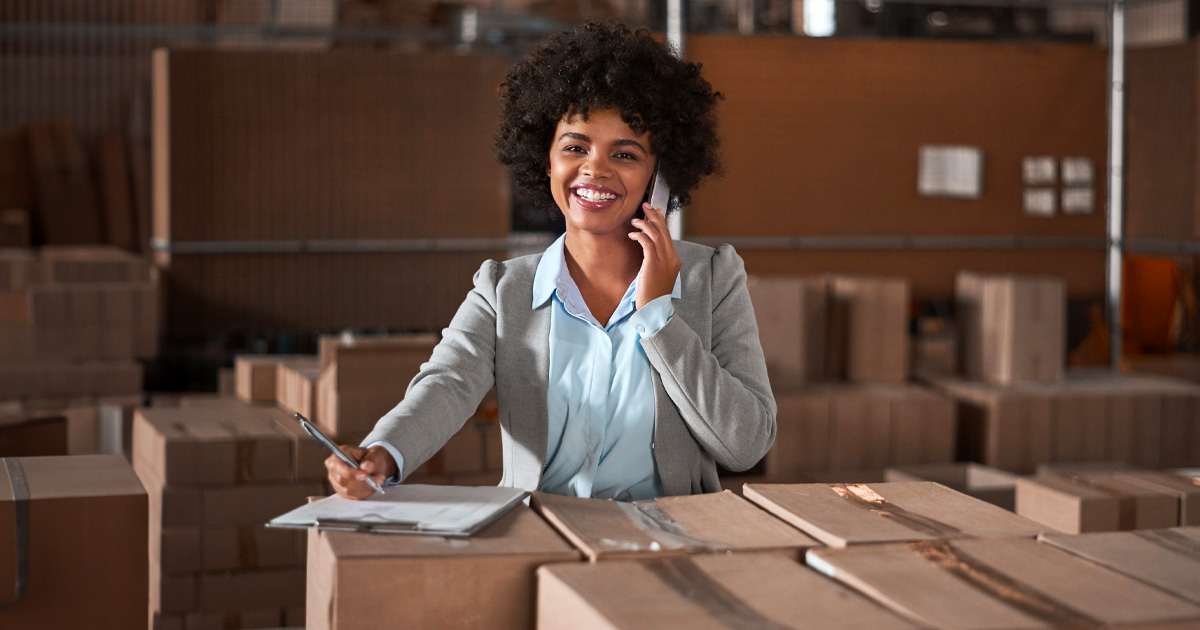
(657, 193)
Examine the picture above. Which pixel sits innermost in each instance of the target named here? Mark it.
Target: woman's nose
(596, 165)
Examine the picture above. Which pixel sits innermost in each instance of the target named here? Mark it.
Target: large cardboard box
(791, 315)
(211, 445)
(982, 482)
(1013, 327)
(855, 427)
(485, 581)
(1011, 583)
(839, 515)
(1094, 502)
(701, 523)
(1093, 415)
(752, 590)
(296, 386)
(82, 521)
(873, 313)
(1165, 558)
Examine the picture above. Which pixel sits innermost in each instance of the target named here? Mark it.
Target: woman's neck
(602, 268)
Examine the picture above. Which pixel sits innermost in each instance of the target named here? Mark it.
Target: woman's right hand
(351, 483)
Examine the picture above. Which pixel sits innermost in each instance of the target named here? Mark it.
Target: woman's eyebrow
(575, 135)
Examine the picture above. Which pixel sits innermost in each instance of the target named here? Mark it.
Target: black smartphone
(658, 194)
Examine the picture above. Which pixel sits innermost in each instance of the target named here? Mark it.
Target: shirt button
(652, 446)
(642, 329)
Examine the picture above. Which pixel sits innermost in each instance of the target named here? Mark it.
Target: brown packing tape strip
(862, 497)
(247, 547)
(684, 577)
(1172, 541)
(649, 517)
(1002, 587)
(1126, 501)
(20, 492)
(245, 459)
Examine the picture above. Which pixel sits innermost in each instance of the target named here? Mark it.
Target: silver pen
(323, 440)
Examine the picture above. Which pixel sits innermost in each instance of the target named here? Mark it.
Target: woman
(626, 365)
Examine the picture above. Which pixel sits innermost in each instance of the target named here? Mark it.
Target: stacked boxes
(216, 473)
(1150, 422)
(850, 428)
(73, 322)
(982, 482)
(1164, 558)
(1106, 498)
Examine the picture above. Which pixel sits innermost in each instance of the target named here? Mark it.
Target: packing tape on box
(247, 547)
(1000, 586)
(1126, 501)
(1172, 541)
(245, 459)
(20, 492)
(862, 497)
(684, 577)
(649, 517)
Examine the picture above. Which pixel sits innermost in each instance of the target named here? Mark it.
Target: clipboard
(408, 509)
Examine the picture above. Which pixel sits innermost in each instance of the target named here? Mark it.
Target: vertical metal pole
(1116, 176)
(675, 30)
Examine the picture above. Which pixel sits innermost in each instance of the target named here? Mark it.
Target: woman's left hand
(660, 262)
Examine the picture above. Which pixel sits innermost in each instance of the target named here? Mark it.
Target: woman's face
(599, 170)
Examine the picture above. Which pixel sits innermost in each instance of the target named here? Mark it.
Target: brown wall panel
(1162, 135)
(821, 137)
(932, 272)
(226, 293)
(335, 145)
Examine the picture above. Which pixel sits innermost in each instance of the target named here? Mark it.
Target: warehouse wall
(821, 138)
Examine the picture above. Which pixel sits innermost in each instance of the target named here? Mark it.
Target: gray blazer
(713, 403)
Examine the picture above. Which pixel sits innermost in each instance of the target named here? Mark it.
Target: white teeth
(594, 195)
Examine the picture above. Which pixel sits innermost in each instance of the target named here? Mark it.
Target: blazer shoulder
(494, 274)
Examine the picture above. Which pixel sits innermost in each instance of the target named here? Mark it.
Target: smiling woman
(626, 365)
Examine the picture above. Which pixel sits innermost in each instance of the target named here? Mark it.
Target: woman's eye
(574, 148)
(626, 156)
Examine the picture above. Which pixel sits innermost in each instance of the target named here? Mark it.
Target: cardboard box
(87, 540)
(296, 386)
(487, 580)
(1013, 327)
(222, 548)
(1009, 583)
(839, 515)
(702, 523)
(1080, 503)
(213, 445)
(1164, 558)
(1182, 487)
(17, 268)
(791, 315)
(751, 590)
(365, 377)
(975, 480)
(34, 437)
(854, 427)
(255, 377)
(874, 314)
(91, 264)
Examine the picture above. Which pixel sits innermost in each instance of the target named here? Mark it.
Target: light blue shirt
(600, 395)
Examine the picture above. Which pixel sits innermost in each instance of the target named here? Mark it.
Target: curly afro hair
(606, 66)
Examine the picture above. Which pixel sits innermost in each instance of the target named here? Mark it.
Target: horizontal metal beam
(331, 246)
(906, 242)
(167, 31)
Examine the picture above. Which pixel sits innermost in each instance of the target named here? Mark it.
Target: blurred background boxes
(1159, 557)
(982, 482)
(1013, 327)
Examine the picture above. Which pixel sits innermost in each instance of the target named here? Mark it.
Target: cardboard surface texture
(982, 482)
(996, 583)
(1013, 327)
(751, 590)
(1168, 559)
(487, 580)
(716, 522)
(792, 318)
(1094, 502)
(839, 515)
(876, 324)
(88, 540)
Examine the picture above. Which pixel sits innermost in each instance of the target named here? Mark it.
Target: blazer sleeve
(722, 394)
(449, 387)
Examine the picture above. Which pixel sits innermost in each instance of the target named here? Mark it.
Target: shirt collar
(554, 264)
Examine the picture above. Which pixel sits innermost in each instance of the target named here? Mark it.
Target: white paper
(434, 509)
